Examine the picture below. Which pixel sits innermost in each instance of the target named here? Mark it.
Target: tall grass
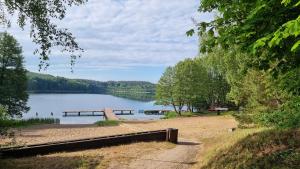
(27, 122)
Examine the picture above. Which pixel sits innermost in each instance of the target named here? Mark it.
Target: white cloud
(126, 33)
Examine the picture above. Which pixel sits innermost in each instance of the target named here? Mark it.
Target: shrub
(108, 123)
(288, 116)
(170, 115)
(3, 116)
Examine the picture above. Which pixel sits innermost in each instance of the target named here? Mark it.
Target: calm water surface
(44, 104)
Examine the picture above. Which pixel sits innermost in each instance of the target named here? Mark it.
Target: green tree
(191, 80)
(38, 14)
(165, 89)
(272, 42)
(13, 81)
(218, 87)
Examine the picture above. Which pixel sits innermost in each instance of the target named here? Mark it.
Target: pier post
(172, 135)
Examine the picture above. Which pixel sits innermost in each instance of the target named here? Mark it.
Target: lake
(44, 104)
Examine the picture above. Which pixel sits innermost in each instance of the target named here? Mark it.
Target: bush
(108, 123)
(170, 115)
(3, 116)
(288, 116)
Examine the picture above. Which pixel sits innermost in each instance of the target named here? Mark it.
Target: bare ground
(147, 155)
(183, 156)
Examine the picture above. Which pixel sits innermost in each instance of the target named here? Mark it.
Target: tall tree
(165, 89)
(268, 30)
(218, 87)
(39, 15)
(13, 81)
(191, 80)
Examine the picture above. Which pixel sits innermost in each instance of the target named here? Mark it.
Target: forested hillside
(43, 83)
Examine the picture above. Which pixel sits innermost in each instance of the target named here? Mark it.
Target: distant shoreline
(146, 96)
(84, 92)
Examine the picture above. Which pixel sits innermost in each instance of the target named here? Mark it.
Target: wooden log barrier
(91, 143)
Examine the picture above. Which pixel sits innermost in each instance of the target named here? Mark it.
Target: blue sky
(122, 39)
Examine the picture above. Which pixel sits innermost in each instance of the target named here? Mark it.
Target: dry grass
(212, 146)
(258, 148)
(98, 158)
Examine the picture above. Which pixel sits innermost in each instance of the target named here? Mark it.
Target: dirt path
(183, 156)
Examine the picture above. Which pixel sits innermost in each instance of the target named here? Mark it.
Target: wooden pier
(84, 113)
(108, 113)
(156, 112)
(123, 111)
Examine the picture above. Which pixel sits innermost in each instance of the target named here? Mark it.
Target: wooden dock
(84, 113)
(108, 113)
(123, 111)
(156, 112)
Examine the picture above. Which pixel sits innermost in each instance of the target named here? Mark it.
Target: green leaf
(190, 32)
(295, 46)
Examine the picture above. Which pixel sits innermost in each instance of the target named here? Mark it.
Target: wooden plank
(123, 110)
(109, 115)
(83, 111)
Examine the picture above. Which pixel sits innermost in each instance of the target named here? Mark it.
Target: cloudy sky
(123, 39)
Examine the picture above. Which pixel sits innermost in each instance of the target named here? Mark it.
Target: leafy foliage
(13, 81)
(39, 15)
(256, 44)
(3, 116)
(288, 116)
(244, 23)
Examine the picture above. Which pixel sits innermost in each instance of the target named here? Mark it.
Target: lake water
(44, 104)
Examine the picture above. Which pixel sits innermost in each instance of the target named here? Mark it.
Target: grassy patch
(254, 148)
(27, 122)
(172, 114)
(108, 123)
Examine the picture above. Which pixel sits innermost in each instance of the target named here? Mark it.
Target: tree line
(44, 83)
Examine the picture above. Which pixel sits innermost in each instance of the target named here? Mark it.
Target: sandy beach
(192, 130)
